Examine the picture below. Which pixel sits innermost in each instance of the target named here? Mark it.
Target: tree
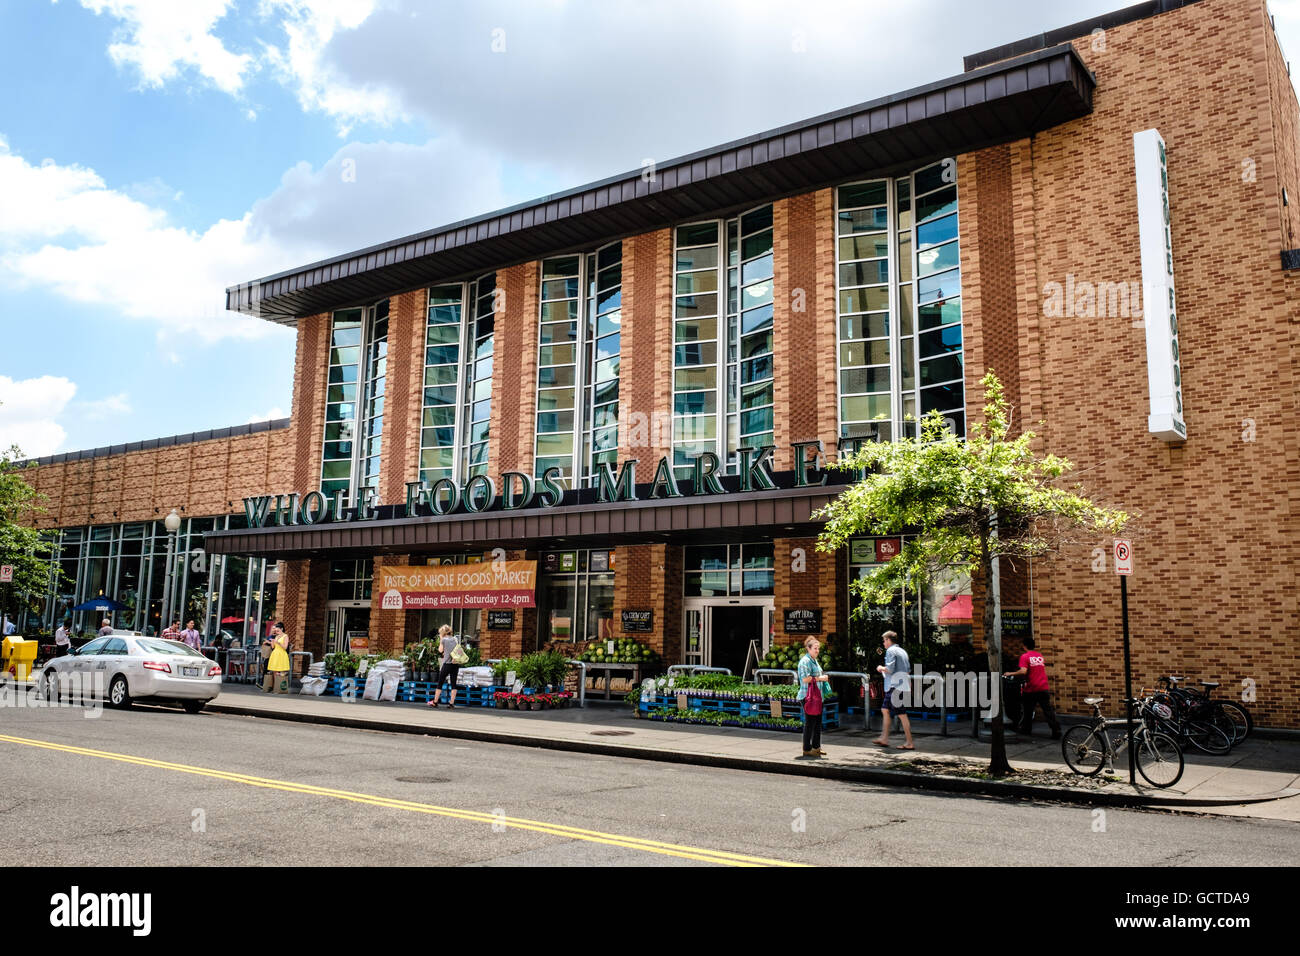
(962, 503)
(21, 545)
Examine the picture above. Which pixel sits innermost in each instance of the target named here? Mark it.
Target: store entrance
(719, 633)
(345, 620)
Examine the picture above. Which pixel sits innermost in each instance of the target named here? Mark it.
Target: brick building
(829, 281)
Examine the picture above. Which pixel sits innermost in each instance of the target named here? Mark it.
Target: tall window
(695, 344)
(701, 339)
(372, 410)
(341, 401)
(479, 343)
(578, 354)
(441, 375)
(899, 305)
(735, 570)
(749, 331)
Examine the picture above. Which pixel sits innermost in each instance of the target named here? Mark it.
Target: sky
(154, 152)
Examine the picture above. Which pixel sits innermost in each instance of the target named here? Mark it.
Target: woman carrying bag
(814, 687)
(453, 655)
(277, 667)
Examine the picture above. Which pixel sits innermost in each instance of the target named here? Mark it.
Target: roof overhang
(703, 519)
(999, 103)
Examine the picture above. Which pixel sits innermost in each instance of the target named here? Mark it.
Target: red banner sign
(494, 584)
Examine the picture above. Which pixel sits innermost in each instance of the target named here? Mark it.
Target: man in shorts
(897, 672)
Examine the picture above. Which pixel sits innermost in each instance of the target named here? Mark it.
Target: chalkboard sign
(638, 621)
(803, 620)
(501, 620)
(1017, 622)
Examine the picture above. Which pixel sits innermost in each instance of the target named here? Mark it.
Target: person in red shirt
(1036, 691)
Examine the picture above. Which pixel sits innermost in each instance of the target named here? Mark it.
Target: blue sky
(153, 152)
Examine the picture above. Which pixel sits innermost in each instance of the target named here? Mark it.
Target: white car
(126, 666)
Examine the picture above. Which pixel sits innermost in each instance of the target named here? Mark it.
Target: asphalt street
(155, 786)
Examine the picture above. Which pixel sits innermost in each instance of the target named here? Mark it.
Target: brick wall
(1215, 537)
(815, 586)
(649, 576)
(403, 394)
(645, 370)
(514, 365)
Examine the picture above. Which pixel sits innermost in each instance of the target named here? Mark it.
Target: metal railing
(866, 695)
(764, 671)
(692, 669)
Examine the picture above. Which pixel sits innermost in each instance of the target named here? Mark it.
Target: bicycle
(1174, 712)
(1233, 718)
(1088, 747)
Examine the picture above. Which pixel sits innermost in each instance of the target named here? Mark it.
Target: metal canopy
(999, 103)
(685, 520)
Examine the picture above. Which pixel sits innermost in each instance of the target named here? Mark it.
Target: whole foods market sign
(1164, 361)
(493, 584)
(518, 490)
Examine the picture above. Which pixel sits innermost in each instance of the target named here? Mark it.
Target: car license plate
(190, 671)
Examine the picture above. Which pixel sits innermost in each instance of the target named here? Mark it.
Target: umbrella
(232, 620)
(101, 603)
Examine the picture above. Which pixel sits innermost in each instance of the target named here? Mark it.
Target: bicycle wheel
(1238, 716)
(1159, 759)
(1204, 735)
(1084, 749)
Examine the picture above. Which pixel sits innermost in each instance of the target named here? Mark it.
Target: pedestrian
(450, 669)
(1036, 692)
(106, 628)
(192, 637)
(277, 667)
(172, 632)
(9, 626)
(63, 639)
(814, 686)
(897, 672)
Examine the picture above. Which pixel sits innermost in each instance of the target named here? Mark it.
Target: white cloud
(64, 229)
(271, 414)
(29, 409)
(101, 409)
(161, 38)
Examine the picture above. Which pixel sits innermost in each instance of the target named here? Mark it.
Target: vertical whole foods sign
(494, 584)
(1164, 368)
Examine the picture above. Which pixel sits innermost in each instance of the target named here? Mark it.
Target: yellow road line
(540, 826)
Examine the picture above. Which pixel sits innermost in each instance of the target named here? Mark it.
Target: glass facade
(229, 595)
(939, 612)
(372, 408)
(575, 597)
(443, 331)
(579, 352)
(341, 402)
(899, 304)
(729, 570)
(480, 339)
(702, 383)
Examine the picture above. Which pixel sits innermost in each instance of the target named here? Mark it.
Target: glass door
(695, 635)
(345, 624)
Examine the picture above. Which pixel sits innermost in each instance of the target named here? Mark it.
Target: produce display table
(593, 670)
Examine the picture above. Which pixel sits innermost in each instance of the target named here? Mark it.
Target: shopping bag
(458, 655)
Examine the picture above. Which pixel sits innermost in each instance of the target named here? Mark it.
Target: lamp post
(173, 524)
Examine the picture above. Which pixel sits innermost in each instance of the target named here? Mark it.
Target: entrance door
(718, 633)
(344, 621)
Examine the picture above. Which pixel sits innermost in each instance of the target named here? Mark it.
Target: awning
(705, 519)
(999, 103)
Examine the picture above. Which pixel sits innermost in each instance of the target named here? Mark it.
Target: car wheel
(118, 693)
(49, 685)
(193, 706)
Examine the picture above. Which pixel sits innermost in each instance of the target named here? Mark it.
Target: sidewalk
(1260, 778)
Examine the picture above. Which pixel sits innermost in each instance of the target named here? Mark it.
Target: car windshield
(150, 646)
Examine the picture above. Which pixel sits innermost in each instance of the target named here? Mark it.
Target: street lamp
(173, 524)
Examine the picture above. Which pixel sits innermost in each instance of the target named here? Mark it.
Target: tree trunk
(998, 765)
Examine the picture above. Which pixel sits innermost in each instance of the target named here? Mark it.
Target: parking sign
(1123, 556)
(6, 573)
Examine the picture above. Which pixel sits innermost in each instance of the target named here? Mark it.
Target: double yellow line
(720, 857)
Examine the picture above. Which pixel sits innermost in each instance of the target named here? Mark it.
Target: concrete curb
(895, 778)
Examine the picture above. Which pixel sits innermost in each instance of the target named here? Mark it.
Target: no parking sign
(1123, 556)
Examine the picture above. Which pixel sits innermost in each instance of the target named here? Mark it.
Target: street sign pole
(1124, 567)
(1128, 681)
